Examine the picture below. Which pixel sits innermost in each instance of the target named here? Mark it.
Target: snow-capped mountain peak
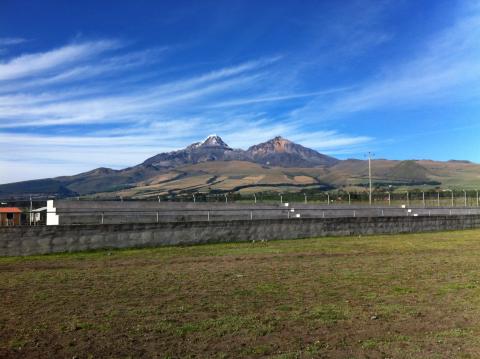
(213, 141)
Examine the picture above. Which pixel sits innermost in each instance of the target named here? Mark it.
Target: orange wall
(15, 221)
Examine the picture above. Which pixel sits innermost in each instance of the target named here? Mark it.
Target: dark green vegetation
(403, 296)
(408, 171)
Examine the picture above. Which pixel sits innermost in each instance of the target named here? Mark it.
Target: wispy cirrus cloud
(327, 76)
(276, 98)
(68, 105)
(119, 150)
(81, 71)
(37, 63)
(445, 69)
(148, 103)
(66, 108)
(9, 41)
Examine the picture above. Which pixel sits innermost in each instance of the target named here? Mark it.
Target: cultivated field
(247, 177)
(403, 296)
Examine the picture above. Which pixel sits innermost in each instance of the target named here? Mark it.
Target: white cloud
(122, 148)
(32, 64)
(275, 98)
(15, 171)
(124, 125)
(9, 41)
(83, 72)
(92, 105)
(120, 108)
(446, 69)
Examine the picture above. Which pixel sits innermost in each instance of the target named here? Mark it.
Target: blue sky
(109, 83)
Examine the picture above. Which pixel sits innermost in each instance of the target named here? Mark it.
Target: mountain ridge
(275, 152)
(212, 164)
(280, 151)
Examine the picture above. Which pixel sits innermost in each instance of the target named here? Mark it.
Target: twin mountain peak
(276, 152)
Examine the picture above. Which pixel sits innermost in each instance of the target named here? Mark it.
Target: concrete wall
(53, 239)
(115, 212)
(73, 205)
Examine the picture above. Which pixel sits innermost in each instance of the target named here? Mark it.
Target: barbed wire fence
(414, 198)
(320, 204)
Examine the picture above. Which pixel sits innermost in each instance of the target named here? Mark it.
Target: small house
(10, 216)
(37, 216)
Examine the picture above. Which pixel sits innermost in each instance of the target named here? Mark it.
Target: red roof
(10, 210)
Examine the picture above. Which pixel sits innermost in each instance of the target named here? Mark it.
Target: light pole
(193, 197)
(328, 198)
(281, 198)
(423, 199)
(389, 200)
(408, 200)
(438, 199)
(477, 198)
(370, 154)
(349, 199)
(305, 198)
(31, 210)
(465, 198)
(226, 198)
(254, 198)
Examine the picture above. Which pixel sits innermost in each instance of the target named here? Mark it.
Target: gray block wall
(116, 212)
(15, 241)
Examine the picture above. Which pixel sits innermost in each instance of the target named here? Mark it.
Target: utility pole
(389, 195)
(370, 154)
(31, 210)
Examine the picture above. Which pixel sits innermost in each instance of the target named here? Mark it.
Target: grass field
(404, 296)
